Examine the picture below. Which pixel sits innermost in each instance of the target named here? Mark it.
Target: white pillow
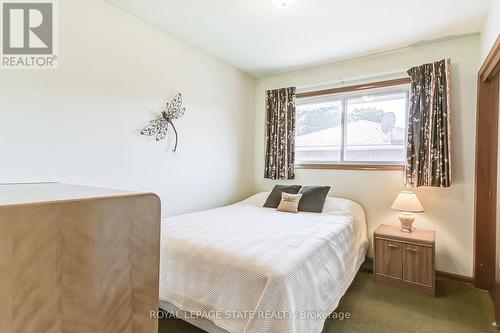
(289, 202)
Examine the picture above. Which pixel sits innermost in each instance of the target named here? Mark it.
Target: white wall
(79, 124)
(448, 211)
(491, 28)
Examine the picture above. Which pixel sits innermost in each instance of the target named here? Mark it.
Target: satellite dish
(388, 122)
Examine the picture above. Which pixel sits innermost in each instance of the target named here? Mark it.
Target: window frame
(343, 94)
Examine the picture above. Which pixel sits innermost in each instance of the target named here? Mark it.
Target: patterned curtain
(428, 153)
(280, 133)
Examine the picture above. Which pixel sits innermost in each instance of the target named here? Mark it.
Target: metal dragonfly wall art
(159, 127)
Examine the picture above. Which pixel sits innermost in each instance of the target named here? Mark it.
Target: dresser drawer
(418, 264)
(389, 258)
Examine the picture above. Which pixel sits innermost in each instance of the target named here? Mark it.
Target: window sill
(346, 166)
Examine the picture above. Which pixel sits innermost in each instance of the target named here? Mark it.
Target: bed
(248, 269)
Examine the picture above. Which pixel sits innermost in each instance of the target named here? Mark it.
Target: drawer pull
(412, 249)
(394, 246)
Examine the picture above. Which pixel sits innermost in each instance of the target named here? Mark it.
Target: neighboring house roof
(361, 132)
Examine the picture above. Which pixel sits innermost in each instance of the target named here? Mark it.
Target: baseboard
(453, 276)
(368, 265)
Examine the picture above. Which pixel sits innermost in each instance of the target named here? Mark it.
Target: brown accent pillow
(289, 203)
(274, 198)
(313, 198)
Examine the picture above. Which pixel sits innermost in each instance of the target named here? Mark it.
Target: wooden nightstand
(405, 259)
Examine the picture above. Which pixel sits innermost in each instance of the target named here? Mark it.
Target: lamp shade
(407, 201)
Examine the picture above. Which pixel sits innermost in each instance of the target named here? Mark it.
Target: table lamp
(407, 203)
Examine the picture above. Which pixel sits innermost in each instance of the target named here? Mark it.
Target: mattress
(250, 269)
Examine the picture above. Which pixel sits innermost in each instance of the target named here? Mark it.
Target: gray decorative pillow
(274, 199)
(313, 198)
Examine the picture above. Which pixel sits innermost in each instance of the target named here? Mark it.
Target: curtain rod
(359, 79)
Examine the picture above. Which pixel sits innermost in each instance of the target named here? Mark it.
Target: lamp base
(406, 222)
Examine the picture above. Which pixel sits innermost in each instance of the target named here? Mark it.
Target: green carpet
(458, 307)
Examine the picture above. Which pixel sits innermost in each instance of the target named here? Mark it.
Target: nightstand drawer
(389, 258)
(418, 264)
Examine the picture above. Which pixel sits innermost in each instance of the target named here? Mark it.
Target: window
(363, 127)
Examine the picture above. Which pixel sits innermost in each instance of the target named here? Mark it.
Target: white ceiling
(258, 38)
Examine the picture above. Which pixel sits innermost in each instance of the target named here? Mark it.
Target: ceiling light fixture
(283, 3)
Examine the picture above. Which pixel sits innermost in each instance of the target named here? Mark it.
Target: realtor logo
(28, 34)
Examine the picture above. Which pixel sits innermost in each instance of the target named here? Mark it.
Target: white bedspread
(254, 269)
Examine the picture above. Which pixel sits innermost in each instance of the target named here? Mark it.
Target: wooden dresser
(405, 259)
(78, 259)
